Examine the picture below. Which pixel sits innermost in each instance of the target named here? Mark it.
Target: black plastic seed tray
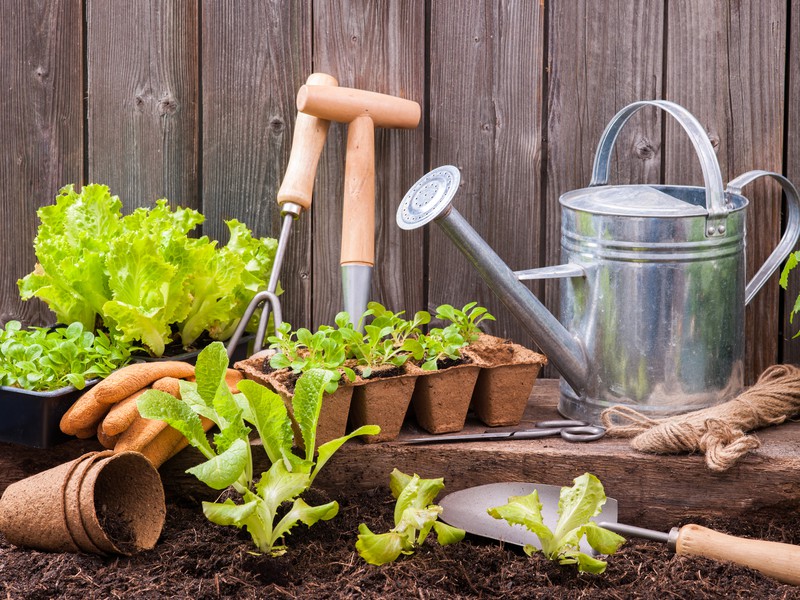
(32, 418)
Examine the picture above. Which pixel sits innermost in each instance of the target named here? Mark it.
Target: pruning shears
(569, 430)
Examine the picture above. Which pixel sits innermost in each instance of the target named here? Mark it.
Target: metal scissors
(569, 430)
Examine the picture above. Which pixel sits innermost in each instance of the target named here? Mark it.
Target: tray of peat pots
(461, 368)
(386, 378)
(508, 370)
(43, 370)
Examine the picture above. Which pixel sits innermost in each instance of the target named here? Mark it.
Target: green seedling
(576, 506)
(302, 351)
(466, 320)
(271, 506)
(383, 338)
(46, 359)
(437, 345)
(414, 517)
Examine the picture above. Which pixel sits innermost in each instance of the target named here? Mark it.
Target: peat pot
(653, 285)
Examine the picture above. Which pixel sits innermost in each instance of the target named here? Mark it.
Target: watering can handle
(715, 198)
(790, 235)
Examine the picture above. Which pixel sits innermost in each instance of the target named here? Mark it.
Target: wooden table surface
(653, 490)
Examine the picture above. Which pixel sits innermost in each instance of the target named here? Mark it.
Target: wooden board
(255, 55)
(725, 63)
(375, 46)
(791, 347)
(143, 101)
(653, 491)
(486, 119)
(42, 125)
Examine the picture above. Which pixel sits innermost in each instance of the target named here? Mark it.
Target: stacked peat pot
(393, 365)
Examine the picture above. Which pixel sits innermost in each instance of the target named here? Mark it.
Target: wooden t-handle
(346, 104)
(307, 142)
(358, 208)
(774, 559)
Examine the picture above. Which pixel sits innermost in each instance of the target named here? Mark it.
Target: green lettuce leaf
(576, 506)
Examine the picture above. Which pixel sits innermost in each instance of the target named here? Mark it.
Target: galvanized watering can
(653, 287)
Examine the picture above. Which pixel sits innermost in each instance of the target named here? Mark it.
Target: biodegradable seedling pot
(100, 503)
(257, 368)
(441, 398)
(508, 373)
(382, 400)
(332, 416)
(32, 418)
(335, 407)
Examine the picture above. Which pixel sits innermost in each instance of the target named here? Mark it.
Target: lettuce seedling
(45, 359)
(414, 517)
(230, 462)
(302, 350)
(576, 505)
(466, 320)
(436, 346)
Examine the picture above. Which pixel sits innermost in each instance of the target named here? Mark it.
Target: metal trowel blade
(467, 510)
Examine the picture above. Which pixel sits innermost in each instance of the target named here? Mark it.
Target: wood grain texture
(725, 63)
(791, 347)
(602, 57)
(486, 119)
(255, 55)
(143, 93)
(42, 125)
(380, 47)
(656, 491)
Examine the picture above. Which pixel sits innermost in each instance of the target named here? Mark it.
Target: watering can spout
(430, 200)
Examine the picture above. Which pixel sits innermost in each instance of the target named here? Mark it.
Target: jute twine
(720, 432)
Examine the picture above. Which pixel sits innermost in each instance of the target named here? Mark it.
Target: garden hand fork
(294, 196)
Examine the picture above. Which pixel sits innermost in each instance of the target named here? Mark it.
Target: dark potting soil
(117, 528)
(199, 560)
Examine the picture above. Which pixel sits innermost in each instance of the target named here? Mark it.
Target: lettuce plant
(141, 276)
(414, 517)
(303, 350)
(466, 319)
(46, 359)
(438, 344)
(576, 506)
(229, 457)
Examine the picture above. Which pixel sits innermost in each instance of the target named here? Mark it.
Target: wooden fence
(193, 100)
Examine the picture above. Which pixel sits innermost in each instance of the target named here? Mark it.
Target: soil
(197, 559)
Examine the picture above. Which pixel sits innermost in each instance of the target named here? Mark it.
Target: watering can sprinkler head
(429, 199)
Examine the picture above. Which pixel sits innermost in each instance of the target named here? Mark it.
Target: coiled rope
(720, 431)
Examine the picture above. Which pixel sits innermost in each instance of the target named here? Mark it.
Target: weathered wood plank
(791, 347)
(602, 57)
(725, 63)
(42, 125)
(143, 91)
(485, 118)
(376, 46)
(255, 55)
(653, 490)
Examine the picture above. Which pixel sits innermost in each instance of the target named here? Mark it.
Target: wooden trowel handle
(307, 142)
(774, 559)
(358, 208)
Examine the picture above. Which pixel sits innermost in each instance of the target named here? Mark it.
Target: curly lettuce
(142, 276)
